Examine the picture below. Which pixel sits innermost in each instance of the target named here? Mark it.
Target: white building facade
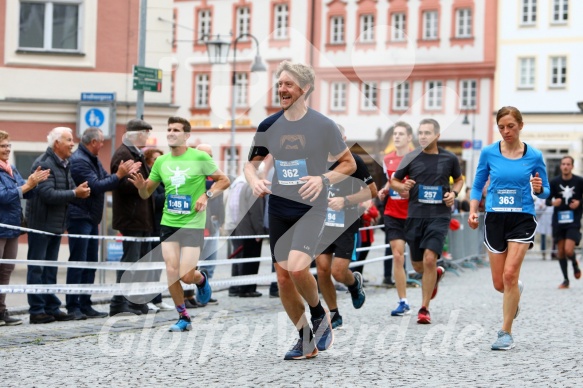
(539, 71)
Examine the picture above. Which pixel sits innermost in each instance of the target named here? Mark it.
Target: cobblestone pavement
(241, 342)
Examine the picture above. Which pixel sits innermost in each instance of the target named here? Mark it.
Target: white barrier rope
(143, 288)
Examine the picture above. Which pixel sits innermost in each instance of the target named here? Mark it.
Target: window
(202, 91)
(528, 12)
(433, 95)
(468, 94)
(241, 85)
(243, 17)
(338, 100)
(50, 26)
(281, 21)
(463, 23)
(401, 96)
(527, 72)
(369, 94)
(337, 30)
(430, 25)
(204, 24)
(558, 71)
(275, 92)
(366, 28)
(560, 11)
(398, 22)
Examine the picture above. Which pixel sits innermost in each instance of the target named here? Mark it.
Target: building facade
(52, 51)
(539, 46)
(377, 62)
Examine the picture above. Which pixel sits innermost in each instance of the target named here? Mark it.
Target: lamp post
(218, 50)
(466, 122)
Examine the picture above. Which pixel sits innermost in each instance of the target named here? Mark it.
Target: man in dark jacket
(47, 211)
(132, 215)
(84, 216)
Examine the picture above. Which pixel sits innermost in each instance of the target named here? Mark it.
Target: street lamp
(218, 51)
(467, 122)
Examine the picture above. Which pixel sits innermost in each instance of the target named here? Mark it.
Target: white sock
(404, 300)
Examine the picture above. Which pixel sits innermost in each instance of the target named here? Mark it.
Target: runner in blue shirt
(517, 172)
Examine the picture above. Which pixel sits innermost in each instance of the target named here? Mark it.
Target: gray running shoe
(504, 341)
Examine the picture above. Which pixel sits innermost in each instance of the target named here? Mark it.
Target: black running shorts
(566, 233)
(295, 233)
(503, 227)
(343, 246)
(184, 236)
(426, 233)
(394, 228)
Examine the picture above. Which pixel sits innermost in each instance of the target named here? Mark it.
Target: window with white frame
(399, 24)
(463, 23)
(528, 12)
(369, 96)
(366, 28)
(526, 73)
(202, 91)
(338, 100)
(50, 25)
(558, 72)
(401, 96)
(433, 95)
(468, 94)
(560, 11)
(241, 87)
(243, 20)
(337, 30)
(281, 16)
(430, 25)
(275, 91)
(204, 24)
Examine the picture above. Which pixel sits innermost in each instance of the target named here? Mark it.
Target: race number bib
(179, 204)
(290, 172)
(334, 218)
(430, 194)
(394, 195)
(565, 217)
(507, 200)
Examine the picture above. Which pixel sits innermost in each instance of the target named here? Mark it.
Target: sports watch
(209, 194)
(325, 180)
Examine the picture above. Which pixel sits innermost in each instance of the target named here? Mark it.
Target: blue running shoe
(323, 333)
(520, 288)
(504, 341)
(358, 296)
(336, 321)
(301, 350)
(204, 292)
(402, 309)
(183, 324)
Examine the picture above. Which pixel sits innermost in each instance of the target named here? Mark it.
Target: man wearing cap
(132, 215)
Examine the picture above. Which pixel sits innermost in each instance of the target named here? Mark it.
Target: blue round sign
(94, 117)
(466, 144)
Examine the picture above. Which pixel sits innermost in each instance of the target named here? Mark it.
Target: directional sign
(147, 79)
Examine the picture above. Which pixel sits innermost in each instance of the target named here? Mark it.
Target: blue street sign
(466, 144)
(97, 96)
(477, 144)
(94, 117)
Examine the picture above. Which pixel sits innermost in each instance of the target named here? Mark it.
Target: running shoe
(358, 296)
(402, 309)
(204, 292)
(336, 321)
(323, 333)
(504, 341)
(440, 273)
(423, 317)
(520, 288)
(301, 350)
(564, 285)
(576, 269)
(183, 324)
